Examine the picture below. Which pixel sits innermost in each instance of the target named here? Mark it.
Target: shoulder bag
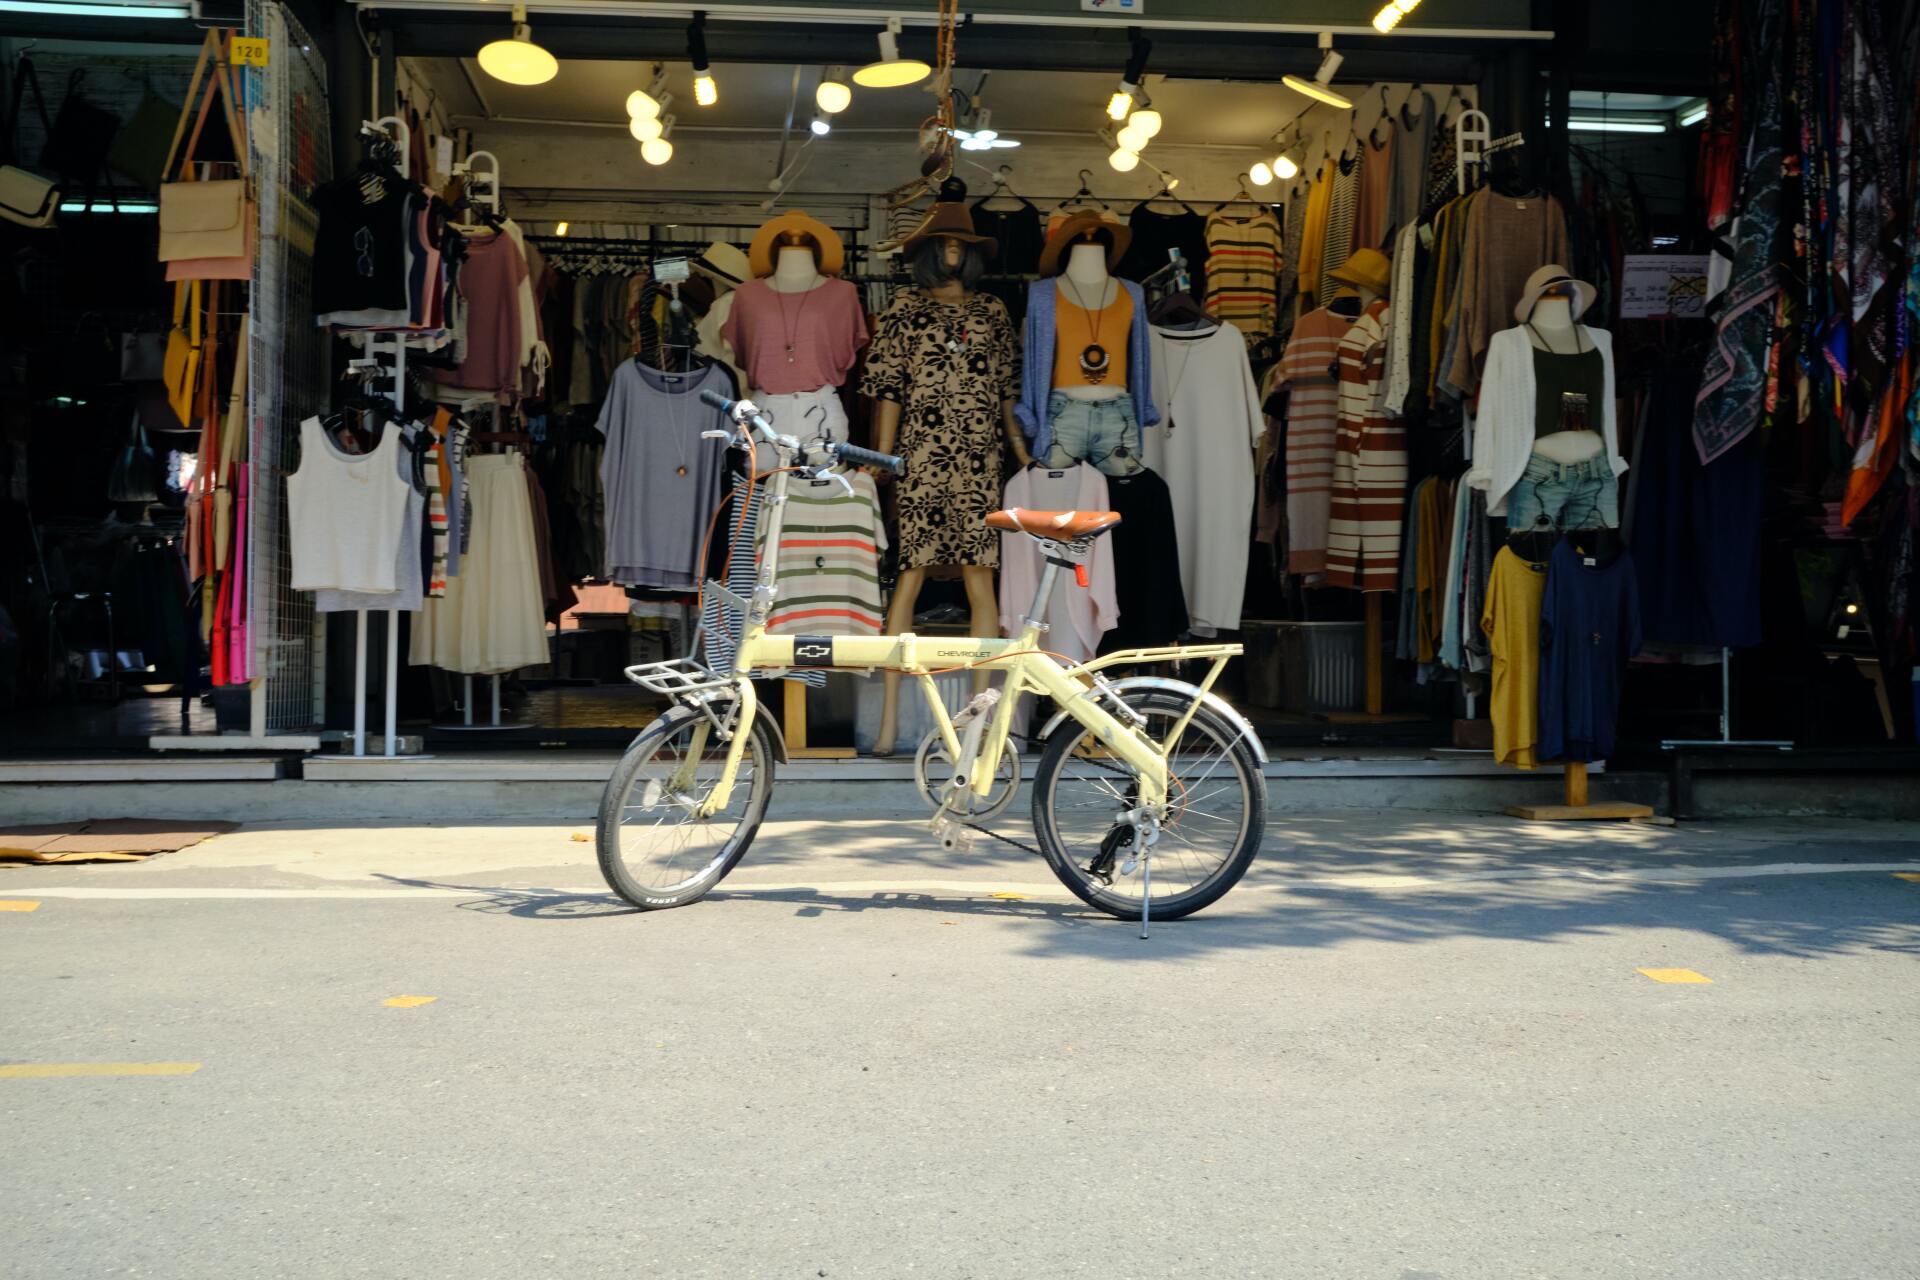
(207, 227)
(25, 196)
(181, 369)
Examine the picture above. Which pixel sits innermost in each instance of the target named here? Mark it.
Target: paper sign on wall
(1657, 285)
(442, 154)
(250, 51)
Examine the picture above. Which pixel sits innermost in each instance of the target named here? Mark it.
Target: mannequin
(1552, 330)
(941, 373)
(795, 270)
(794, 329)
(1086, 279)
(1370, 453)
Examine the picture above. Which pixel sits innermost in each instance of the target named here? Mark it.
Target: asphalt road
(1404, 1049)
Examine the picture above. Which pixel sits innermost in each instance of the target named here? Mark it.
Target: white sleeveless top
(346, 512)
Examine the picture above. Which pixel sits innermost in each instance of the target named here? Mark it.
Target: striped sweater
(1243, 269)
(828, 574)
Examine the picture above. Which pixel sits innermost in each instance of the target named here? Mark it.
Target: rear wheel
(655, 849)
(1216, 817)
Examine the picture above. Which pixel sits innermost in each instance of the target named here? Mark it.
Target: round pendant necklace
(676, 425)
(1094, 361)
(792, 331)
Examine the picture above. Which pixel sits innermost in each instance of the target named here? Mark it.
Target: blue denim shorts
(1564, 495)
(1095, 430)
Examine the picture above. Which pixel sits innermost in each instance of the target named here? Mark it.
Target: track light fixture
(1260, 175)
(891, 71)
(1123, 160)
(1391, 12)
(820, 125)
(650, 102)
(1130, 79)
(645, 128)
(517, 59)
(705, 91)
(832, 94)
(1319, 88)
(657, 151)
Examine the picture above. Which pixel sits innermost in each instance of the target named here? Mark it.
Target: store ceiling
(754, 97)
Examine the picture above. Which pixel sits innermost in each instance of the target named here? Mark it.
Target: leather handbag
(143, 356)
(207, 226)
(140, 148)
(181, 368)
(26, 198)
(135, 475)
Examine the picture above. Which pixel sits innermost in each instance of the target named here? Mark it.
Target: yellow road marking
(1012, 897)
(49, 1070)
(1907, 875)
(1675, 975)
(18, 904)
(408, 1002)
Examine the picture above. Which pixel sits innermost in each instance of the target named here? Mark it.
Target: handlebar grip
(865, 457)
(718, 401)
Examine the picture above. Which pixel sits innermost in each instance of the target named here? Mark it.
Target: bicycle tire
(752, 790)
(1065, 854)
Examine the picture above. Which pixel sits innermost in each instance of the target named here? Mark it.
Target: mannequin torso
(1551, 328)
(794, 271)
(1086, 283)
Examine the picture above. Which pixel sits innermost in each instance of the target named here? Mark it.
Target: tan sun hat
(724, 262)
(833, 254)
(1065, 230)
(1552, 276)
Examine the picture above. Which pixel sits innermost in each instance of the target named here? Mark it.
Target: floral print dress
(948, 367)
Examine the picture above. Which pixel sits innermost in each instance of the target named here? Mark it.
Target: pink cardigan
(1078, 615)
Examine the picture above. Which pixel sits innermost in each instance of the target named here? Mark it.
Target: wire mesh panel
(292, 153)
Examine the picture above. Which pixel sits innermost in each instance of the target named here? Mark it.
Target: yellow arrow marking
(18, 904)
(1907, 875)
(49, 1070)
(1675, 975)
(408, 1002)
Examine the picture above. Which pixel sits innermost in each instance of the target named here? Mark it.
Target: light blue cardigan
(1036, 376)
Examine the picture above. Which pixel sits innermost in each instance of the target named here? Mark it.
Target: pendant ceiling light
(832, 95)
(518, 60)
(705, 91)
(892, 71)
(1319, 88)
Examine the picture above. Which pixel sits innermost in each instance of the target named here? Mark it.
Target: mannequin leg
(906, 594)
(978, 580)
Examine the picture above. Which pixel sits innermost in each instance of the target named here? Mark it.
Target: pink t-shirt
(824, 326)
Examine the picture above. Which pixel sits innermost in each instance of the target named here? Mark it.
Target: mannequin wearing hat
(794, 328)
(1370, 449)
(1086, 390)
(726, 266)
(943, 372)
(1545, 445)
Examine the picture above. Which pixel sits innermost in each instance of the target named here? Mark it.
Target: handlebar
(744, 412)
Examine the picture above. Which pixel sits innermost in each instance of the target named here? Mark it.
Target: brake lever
(836, 475)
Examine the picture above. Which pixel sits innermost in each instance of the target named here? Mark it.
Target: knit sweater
(1036, 377)
(1504, 433)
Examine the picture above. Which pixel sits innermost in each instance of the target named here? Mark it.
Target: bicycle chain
(1026, 744)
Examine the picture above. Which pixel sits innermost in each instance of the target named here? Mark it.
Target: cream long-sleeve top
(1078, 615)
(1503, 434)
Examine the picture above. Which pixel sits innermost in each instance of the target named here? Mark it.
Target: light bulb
(560, 228)
(656, 151)
(642, 105)
(821, 126)
(1260, 175)
(1132, 139)
(891, 71)
(1387, 19)
(1146, 120)
(518, 60)
(645, 130)
(1121, 102)
(1284, 168)
(833, 96)
(705, 91)
(1123, 160)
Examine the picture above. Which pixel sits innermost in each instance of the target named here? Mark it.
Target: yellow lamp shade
(892, 73)
(518, 60)
(1123, 160)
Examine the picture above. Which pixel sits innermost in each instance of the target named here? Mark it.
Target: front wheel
(1217, 811)
(656, 850)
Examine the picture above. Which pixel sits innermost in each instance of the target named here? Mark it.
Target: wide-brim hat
(1551, 276)
(1365, 269)
(952, 220)
(833, 254)
(724, 262)
(1064, 230)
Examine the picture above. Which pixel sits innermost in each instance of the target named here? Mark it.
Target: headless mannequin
(794, 270)
(976, 578)
(1553, 329)
(1087, 281)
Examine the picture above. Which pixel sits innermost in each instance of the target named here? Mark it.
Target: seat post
(1036, 619)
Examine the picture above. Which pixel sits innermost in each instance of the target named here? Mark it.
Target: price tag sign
(250, 51)
(1654, 285)
(672, 270)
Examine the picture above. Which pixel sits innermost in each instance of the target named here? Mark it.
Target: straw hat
(1067, 229)
(1366, 269)
(833, 254)
(724, 262)
(1552, 276)
(951, 219)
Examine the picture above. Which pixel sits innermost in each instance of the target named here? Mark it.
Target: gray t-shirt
(661, 480)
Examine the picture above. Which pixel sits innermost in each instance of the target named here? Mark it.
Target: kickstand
(1146, 892)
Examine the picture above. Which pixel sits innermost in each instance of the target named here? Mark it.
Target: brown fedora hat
(833, 254)
(953, 220)
(1067, 229)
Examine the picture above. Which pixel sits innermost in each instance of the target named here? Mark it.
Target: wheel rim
(662, 843)
(1210, 816)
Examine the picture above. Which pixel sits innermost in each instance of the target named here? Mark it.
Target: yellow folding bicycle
(1148, 796)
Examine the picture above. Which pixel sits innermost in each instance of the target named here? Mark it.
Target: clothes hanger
(1385, 118)
(1179, 308)
(1406, 121)
(1086, 193)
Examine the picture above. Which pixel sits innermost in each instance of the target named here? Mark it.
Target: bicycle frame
(1077, 689)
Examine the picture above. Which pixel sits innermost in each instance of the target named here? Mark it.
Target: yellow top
(1075, 330)
(1511, 620)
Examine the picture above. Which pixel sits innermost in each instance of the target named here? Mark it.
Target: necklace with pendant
(792, 331)
(1094, 361)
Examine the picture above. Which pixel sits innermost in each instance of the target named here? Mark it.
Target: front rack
(679, 678)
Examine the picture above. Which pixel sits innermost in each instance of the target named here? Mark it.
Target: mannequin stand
(794, 718)
(1577, 807)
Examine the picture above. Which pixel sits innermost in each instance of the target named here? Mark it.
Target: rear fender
(1179, 688)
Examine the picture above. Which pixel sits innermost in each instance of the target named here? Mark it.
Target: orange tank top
(1076, 331)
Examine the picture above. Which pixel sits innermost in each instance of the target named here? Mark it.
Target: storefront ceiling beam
(445, 34)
